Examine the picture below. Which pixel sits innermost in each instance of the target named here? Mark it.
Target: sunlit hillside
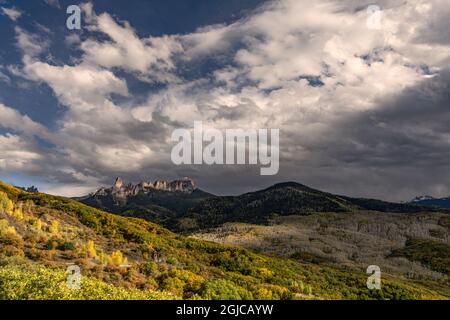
(129, 258)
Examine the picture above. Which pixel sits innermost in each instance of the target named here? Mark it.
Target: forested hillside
(129, 258)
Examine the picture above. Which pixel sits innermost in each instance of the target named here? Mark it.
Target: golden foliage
(53, 228)
(37, 224)
(6, 205)
(90, 249)
(18, 212)
(6, 229)
(118, 259)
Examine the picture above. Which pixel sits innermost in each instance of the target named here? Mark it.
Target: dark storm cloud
(397, 151)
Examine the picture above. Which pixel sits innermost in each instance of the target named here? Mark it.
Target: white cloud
(17, 154)
(150, 58)
(3, 76)
(12, 119)
(12, 13)
(30, 44)
(72, 39)
(80, 87)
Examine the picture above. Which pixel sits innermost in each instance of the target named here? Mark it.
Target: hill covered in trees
(130, 258)
(282, 199)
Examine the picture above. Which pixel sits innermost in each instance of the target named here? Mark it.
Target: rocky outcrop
(121, 191)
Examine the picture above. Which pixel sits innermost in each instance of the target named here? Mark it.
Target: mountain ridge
(432, 202)
(288, 198)
(195, 208)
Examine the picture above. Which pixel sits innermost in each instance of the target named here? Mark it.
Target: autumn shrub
(172, 260)
(17, 213)
(272, 292)
(90, 249)
(28, 207)
(149, 268)
(173, 285)
(40, 255)
(104, 258)
(262, 273)
(6, 229)
(12, 251)
(6, 205)
(227, 262)
(224, 290)
(36, 223)
(12, 239)
(69, 255)
(192, 282)
(118, 259)
(53, 228)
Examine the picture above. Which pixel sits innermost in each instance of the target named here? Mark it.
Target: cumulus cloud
(361, 111)
(12, 119)
(150, 58)
(12, 13)
(81, 87)
(18, 154)
(72, 39)
(30, 44)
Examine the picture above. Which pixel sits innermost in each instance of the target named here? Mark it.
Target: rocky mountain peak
(422, 198)
(118, 183)
(121, 191)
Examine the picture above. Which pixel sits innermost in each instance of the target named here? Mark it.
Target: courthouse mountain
(120, 191)
(158, 201)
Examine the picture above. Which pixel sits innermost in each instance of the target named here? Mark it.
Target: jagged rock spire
(120, 191)
(118, 183)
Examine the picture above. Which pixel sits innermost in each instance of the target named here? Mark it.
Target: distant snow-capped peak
(422, 198)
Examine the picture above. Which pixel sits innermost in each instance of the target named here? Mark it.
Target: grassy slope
(162, 264)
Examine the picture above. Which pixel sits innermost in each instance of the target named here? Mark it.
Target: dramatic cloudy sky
(363, 108)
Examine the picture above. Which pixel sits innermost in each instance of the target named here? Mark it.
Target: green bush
(149, 268)
(173, 285)
(59, 244)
